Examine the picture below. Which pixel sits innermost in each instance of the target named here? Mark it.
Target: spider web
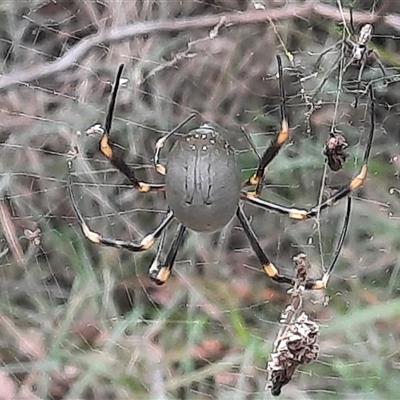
(83, 321)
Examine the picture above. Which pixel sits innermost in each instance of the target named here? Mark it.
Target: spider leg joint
(147, 242)
(105, 146)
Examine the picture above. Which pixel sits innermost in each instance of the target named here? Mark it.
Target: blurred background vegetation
(80, 321)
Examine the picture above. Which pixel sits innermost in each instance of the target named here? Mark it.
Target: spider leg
(370, 53)
(355, 183)
(295, 213)
(160, 144)
(277, 143)
(326, 76)
(330, 48)
(359, 78)
(323, 282)
(107, 149)
(335, 65)
(352, 28)
(361, 70)
(359, 179)
(95, 237)
(378, 61)
(160, 273)
(268, 267)
(271, 270)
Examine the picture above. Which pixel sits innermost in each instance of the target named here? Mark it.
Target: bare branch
(305, 10)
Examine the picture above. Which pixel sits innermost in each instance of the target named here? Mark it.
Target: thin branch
(10, 233)
(76, 53)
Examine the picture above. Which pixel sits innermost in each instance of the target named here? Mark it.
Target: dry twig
(304, 10)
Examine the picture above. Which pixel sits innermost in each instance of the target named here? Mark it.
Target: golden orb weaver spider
(204, 190)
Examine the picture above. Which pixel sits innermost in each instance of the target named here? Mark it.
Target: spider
(204, 191)
(359, 54)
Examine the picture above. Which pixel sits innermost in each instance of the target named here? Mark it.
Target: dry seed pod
(299, 346)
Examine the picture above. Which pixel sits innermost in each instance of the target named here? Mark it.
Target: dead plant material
(296, 342)
(120, 33)
(10, 233)
(33, 236)
(335, 151)
(297, 347)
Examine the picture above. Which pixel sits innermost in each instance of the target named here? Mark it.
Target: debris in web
(296, 342)
(33, 236)
(335, 151)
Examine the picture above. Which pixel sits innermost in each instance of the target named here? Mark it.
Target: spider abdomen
(202, 180)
